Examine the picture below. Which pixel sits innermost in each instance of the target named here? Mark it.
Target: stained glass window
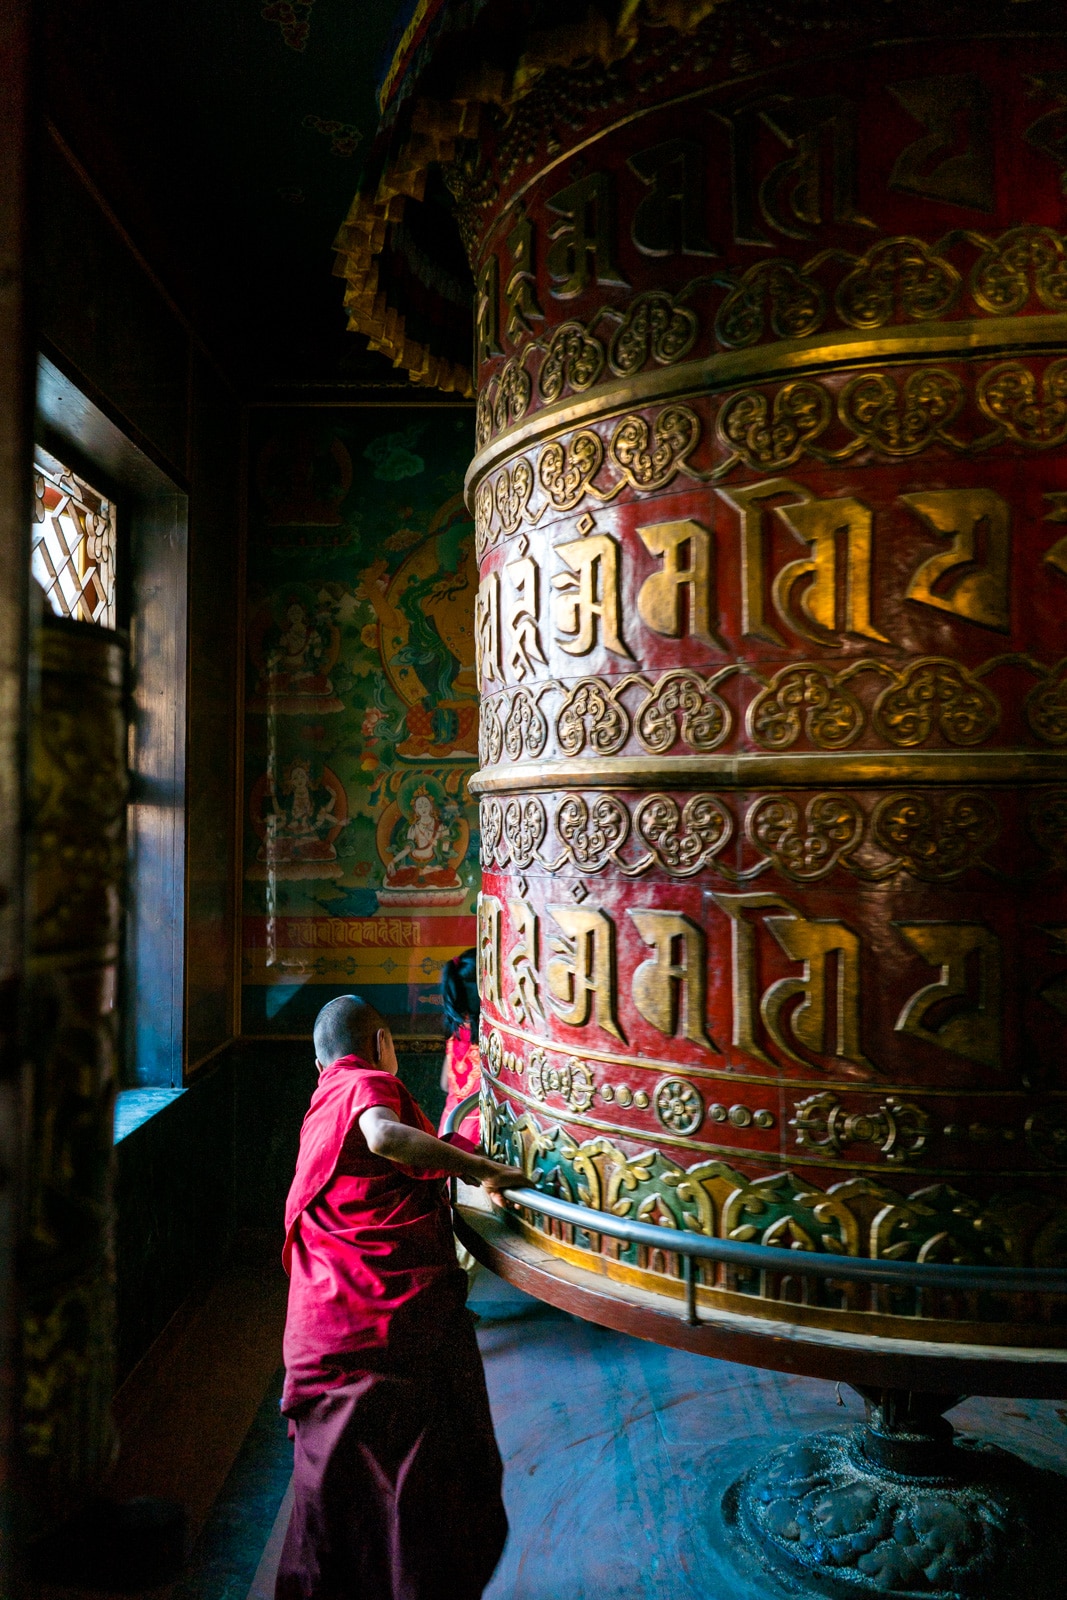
(73, 543)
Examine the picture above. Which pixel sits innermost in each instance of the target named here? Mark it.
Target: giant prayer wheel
(770, 491)
(770, 487)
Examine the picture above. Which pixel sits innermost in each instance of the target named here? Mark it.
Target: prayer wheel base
(896, 1507)
(860, 1360)
(899, 1507)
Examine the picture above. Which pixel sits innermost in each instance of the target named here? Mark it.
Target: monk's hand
(498, 1178)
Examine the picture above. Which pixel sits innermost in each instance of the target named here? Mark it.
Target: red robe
(396, 1470)
(463, 1067)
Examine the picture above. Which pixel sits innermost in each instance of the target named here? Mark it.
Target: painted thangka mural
(361, 711)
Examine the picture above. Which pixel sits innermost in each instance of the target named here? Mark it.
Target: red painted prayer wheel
(770, 485)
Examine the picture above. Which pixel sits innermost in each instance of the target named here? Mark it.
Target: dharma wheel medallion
(770, 489)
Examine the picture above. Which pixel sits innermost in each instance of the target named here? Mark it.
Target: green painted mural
(361, 710)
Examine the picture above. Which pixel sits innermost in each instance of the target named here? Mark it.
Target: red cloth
(463, 1065)
(396, 1484)
(369, 1246)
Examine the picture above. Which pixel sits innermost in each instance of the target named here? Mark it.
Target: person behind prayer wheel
(461, 1074)
(396, 1471)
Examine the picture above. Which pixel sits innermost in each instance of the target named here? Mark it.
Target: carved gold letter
(1049, 133)
(1054, 993)
(520, 289)
(962, 178)
(814, 942)
(670, 219)
(525, 998)
(487, 312)
(749, 505)
(1056, 554)
(980, 596)
(743, 967)
(973, 1032)
(487, 630)
(594, 595)
(660, 983)
(790, 195)
(489, 909)
(659, 602)
(523, 616)
(582, 973)
(817, 523)
(583, 240)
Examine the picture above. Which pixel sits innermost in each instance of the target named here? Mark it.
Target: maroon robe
(396, 1470)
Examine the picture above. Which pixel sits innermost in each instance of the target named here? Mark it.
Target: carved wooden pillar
(770, 486)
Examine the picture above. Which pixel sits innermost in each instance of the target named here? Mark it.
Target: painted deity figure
(299, 821)
(299, 644)
(428, 840)
(421, 841)
(293, 656)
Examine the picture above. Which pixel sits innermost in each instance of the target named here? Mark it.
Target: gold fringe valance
(431, 136)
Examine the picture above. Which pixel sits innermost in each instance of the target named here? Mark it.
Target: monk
(396, 1472)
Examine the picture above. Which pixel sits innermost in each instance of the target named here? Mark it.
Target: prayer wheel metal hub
(769, 487)
(898, 1508)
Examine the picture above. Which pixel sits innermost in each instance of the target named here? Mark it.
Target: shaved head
(346, 1026)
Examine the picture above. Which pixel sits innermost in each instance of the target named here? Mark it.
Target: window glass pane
(73, 543)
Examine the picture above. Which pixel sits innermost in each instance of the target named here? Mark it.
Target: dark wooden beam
(16, 412)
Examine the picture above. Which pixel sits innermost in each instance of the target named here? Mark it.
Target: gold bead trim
(731, 1077)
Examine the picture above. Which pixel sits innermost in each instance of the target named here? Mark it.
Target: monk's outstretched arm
(387, 1136)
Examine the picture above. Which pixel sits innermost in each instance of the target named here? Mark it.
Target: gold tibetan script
(953, 108)
(489, 909)
(813, 613)
(486, 312)
(582, 250)
(980, 595)
(1056, 555)
(671, 986)
(815, 943)
(487, 630)
(749, 504)
(590, 604)
(581, 975)
(524, 960)
(523, 617)
(969, 957)
(669, 217)
(520, 286)
(817, 523)
(659, 602)
(794, 197)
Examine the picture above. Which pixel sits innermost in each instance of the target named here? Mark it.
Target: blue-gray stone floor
(617, 1454)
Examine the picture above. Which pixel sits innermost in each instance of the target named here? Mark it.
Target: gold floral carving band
(824, 352)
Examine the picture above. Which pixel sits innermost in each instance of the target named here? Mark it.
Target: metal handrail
(772, 1258)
